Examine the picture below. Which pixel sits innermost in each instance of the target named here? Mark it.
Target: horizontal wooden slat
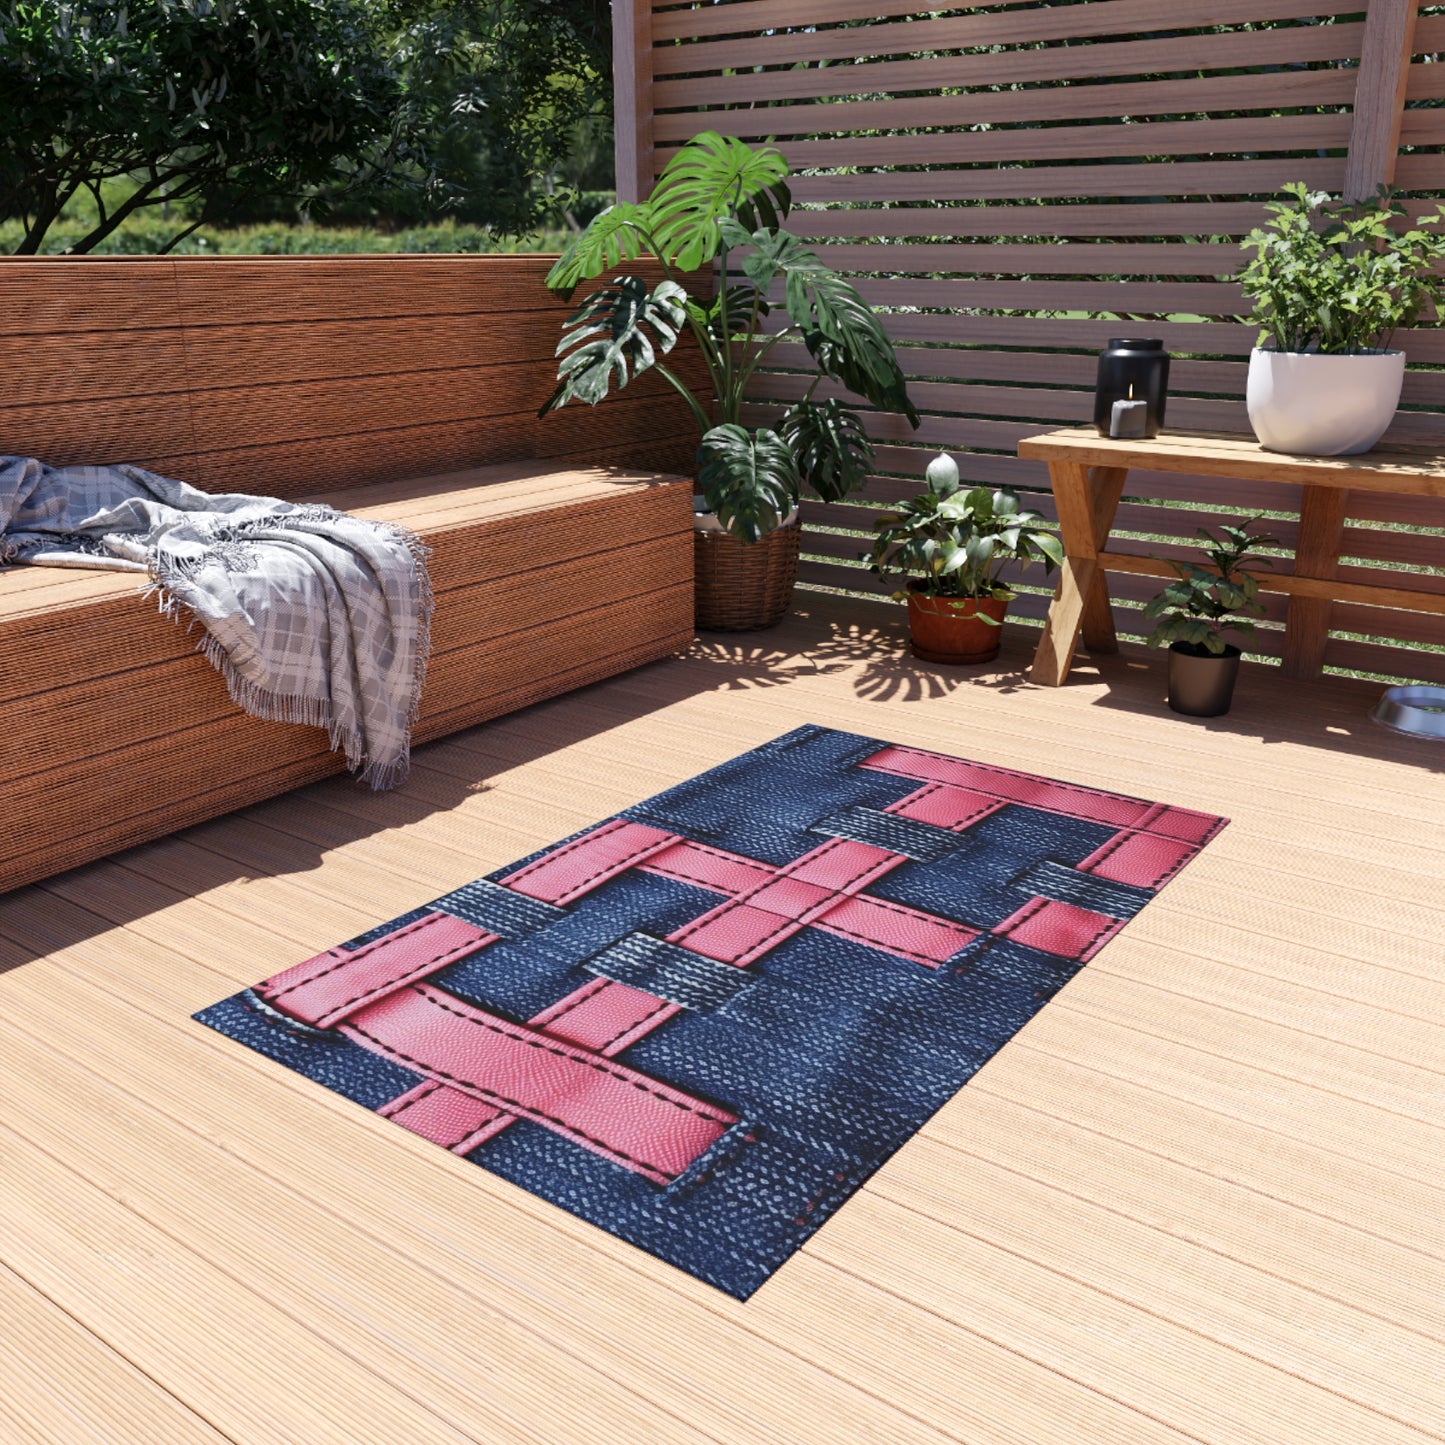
(1042, 368)
(946, 222)
(1403, 627)
(1036, 403)
(1149, 178)
(1140, 138)
(1422, 345)
(1072, 259)
(1163, 298)
(1414, 664)
(1174, 96)
(968, 32)
(1010, 26)
(1333, 589)
(224, 290)
(1295, 45)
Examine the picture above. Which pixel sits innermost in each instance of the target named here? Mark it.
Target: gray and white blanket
(312, 616)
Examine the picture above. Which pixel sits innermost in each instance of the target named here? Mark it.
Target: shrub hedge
(148, 235)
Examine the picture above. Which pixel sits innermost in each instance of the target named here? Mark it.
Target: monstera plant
(722, 204)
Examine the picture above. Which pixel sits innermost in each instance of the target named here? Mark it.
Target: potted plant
(721, 201)
(1331, 281)
(1192, 614)
(953, 546)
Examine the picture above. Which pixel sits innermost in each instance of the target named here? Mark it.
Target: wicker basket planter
(740, 586)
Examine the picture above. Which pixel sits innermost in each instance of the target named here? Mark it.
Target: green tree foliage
(520, 95)
(393, 110)
(171, 100)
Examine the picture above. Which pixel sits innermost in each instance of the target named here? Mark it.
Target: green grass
(149, 235)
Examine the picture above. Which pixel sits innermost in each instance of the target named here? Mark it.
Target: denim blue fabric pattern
(828, 1048)
(669, 972)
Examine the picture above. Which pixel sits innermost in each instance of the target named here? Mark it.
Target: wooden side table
(1088, 473)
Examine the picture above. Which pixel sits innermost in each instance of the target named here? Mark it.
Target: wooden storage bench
(549, 571)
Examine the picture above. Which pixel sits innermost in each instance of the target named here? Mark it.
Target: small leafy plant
(956, 543)
(1339, 277)
(1206, 602)
(720, 200)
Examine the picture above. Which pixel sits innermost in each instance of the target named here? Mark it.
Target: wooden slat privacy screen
(1017, 182)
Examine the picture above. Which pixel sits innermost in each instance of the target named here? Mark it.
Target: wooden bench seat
(399, 387)
(117, 731)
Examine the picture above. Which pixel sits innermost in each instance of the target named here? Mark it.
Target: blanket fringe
(308, 711)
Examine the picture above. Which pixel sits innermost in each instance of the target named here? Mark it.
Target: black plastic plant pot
(1201, 684)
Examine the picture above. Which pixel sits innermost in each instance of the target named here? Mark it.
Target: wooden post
(1380, 95)
(632, 97)
(1374, 147)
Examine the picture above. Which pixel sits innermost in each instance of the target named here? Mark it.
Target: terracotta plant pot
(742, 586)
(951, 630)
(1202, 686)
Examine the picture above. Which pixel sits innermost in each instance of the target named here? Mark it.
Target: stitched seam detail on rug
(787, 923)
(897, 950)
(617, 864)
(348, 958)
(437, 1001)
(390, 985)
(1117, 842)
(928, 790)
(893, 950)
(1027, 778)
(588, 991)
(387, 1112)
(563, 851)
(1108, 849)
(1028, 912)
(633, 1027)
(515, 1106)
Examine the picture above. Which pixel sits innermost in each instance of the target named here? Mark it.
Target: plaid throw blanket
(312, 616)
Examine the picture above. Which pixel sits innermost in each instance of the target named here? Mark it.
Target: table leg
(1307, 623)
(1086, 499)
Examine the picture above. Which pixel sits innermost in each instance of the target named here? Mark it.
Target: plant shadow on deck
(826, 636)
(1330, 713)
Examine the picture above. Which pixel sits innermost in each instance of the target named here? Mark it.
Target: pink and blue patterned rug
(703, 1023)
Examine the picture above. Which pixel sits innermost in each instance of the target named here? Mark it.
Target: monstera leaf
(612, 238)
(833, 451)
(842, 334)
(750, 479)
(712, 179)
(729, 313)
(617, 332)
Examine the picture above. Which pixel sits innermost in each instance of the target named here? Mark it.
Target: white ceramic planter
(1327, 406)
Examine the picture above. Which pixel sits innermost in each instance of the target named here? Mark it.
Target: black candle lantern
(1131, 372)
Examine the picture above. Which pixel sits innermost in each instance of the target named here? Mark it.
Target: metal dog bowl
(1418, 711)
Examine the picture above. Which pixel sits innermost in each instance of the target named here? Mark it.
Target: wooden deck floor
(1199, 1197)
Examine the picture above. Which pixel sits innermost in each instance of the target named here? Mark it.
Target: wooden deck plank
(470, 1366)
(1196, 1199)
(247, 1367)
(844, 1341)
(105, 1395)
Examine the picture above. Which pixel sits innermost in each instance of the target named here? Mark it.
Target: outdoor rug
(702, 1024)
